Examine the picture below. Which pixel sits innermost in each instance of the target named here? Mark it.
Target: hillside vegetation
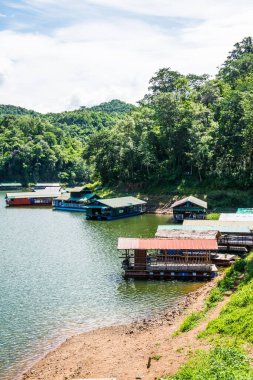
(231, 333)
(186, 129)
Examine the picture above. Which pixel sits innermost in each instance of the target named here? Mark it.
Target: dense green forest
(187, 127)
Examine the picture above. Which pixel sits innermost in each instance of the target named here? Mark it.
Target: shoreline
(108, 351)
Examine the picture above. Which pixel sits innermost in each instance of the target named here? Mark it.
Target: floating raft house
(189, 208)
(216, 258)
(41, 186)
(115, 208)
(11, 186)
(38, 198)
(77, 199)
(168, 258)
(233, 234)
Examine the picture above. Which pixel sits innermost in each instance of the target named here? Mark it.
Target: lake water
(61, 275)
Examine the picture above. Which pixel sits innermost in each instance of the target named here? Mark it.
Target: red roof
(195, 244)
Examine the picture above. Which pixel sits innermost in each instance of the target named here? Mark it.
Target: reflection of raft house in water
(189, 208)
(115, 208)
(168, 258)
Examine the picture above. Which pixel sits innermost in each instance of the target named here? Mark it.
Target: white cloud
(97, 60)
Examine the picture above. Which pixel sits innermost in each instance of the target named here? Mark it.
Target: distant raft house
(189, 208)
(76, 199)
(35, 198)
(235, 235)
(10, 186)
(115, 208)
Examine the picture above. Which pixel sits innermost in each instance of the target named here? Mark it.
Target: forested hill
(186, 127)
(7, 109)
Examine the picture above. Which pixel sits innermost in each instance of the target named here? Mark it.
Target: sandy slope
(124, 351)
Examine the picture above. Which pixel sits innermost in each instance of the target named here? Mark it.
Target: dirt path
(124, 351)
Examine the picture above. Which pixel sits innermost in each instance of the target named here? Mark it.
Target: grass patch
(220, 363)
(226, 283)
(236, 318)
(191, 321)
(156, 357)
(216, 295)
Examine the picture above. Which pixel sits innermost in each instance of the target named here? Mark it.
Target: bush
(213, 216)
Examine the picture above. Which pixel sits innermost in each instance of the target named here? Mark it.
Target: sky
(58, 55)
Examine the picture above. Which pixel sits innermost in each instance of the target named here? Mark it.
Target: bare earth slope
(124, 351)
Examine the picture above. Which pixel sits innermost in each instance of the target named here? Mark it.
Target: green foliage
(114, 106)
(7, 109)
(226, 283)
(191, 321)
(216, 295)
(236, 318)
(220, 363)
(213, 216)
(187, 129)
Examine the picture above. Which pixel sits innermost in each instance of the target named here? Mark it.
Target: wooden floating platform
(173, 272)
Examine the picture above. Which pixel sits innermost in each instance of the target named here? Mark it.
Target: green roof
(67, 197)
(244, 211)
(121, 202)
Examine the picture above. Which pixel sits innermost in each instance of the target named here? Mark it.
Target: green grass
(220, 363)
(191, 321)
(236, 318)
(234, 326)
(216, 295)
(226, 283)
(156, 357)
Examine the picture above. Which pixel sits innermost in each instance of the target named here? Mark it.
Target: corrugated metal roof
(194, 200)
(34, 194)
(188, 244)
(83, 197)
(11, 184)
(218, 223)
(77, 189)
(121, 202)
(233, 217)
(187, 234)
(209, 227)
(48, 184)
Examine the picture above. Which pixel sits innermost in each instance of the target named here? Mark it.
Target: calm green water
(61, 275)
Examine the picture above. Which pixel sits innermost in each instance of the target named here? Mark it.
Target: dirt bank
(125, 351)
